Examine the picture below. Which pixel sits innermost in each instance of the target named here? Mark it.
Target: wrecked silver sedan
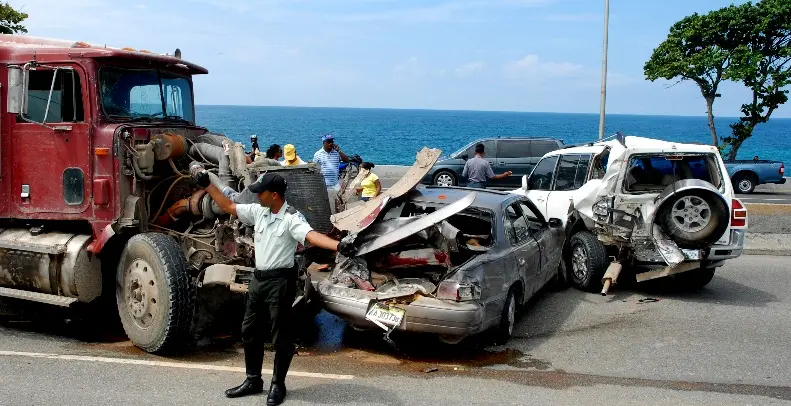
(447, 261)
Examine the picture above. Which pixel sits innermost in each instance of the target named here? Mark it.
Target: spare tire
(693, 217)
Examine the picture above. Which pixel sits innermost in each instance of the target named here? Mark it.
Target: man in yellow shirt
(370, 186)
(291, 157)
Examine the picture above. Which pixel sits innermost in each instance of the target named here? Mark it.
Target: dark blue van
(516, 154)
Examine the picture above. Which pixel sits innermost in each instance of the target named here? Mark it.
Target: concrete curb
(767, 244)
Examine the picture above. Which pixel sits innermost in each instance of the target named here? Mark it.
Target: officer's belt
(288, 273)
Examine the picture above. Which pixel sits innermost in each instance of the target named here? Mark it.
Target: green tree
(700, 48)
(763, 64)
(11, 20)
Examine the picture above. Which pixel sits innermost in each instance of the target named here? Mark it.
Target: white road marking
(768, 204)
(185, 365)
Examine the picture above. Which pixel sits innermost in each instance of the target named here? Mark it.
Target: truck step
(38, 297)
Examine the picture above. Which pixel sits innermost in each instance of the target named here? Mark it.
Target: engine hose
(165, 198)
(211, 153)
(138, 172)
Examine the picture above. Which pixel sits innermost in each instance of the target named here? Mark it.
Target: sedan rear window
(657, 171)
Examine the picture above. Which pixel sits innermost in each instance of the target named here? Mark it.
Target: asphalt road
(727, 344)
(770, 194)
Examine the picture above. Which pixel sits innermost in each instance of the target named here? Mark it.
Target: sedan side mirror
(465, 157)
(555, 223)
(524, 182)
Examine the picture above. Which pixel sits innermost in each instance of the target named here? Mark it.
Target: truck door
(50, 171)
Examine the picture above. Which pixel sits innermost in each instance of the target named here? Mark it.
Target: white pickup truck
(653, 207)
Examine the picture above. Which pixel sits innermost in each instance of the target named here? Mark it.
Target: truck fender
(95, 247)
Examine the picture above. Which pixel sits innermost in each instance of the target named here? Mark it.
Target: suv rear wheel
(588, 262)
(444, 178)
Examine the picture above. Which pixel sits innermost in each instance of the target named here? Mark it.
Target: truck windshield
(145, 94)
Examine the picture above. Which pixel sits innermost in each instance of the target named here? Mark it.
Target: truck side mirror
(16, 90)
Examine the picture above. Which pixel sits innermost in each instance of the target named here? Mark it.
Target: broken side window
(65, 103)
(600, 165)
(519, 229)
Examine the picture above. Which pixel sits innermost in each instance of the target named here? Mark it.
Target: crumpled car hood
(358, 218)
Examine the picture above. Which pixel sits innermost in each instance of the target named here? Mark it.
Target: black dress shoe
(277, 394)
(248, 387)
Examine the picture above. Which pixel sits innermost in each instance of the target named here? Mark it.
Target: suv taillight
(782, 169)
(738, 214)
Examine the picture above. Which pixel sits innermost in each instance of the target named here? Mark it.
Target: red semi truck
(95, 145)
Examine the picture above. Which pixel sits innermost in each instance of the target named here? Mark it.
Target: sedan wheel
(508, 318)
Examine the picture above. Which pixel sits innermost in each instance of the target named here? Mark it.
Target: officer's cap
(271, 182)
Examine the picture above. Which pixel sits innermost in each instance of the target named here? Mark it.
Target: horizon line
(467, 110)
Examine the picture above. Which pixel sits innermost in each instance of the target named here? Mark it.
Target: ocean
(387, 136)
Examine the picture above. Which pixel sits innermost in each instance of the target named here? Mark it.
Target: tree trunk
(712, 128)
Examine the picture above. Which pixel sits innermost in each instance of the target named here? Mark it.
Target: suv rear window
(656, 172)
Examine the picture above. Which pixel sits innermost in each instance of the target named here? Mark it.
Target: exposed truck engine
(97, 200)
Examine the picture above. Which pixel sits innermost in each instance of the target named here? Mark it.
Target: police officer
(271, 293)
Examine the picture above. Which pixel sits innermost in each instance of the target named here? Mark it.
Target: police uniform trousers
(270, 298)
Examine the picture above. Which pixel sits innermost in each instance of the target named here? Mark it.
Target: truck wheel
(695, 279)
(588, 262)
(744, 183)
(694, 220)
(154, 293)
(444, 178)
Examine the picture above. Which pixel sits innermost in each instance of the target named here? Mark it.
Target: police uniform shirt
(276, 235)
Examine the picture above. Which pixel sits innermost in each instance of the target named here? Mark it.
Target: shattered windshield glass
(146, 94)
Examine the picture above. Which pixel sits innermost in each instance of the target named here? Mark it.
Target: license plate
(387, 315)
(691, 254)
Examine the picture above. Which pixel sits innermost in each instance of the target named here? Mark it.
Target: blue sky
(522, 55)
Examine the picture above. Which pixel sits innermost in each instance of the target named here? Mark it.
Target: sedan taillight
(452, 290)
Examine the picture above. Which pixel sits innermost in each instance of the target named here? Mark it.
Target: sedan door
(549, 244)
(524, 249)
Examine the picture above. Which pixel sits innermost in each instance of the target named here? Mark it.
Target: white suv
(655, 207)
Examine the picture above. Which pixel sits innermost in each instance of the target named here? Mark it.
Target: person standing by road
(370, 186)
(329, 158)
(478, 170)
(272, 290)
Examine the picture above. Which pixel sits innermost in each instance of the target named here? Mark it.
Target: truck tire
(694, 220)
(695, 279)
(154, 293)
(744, 183)
(588, 262)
